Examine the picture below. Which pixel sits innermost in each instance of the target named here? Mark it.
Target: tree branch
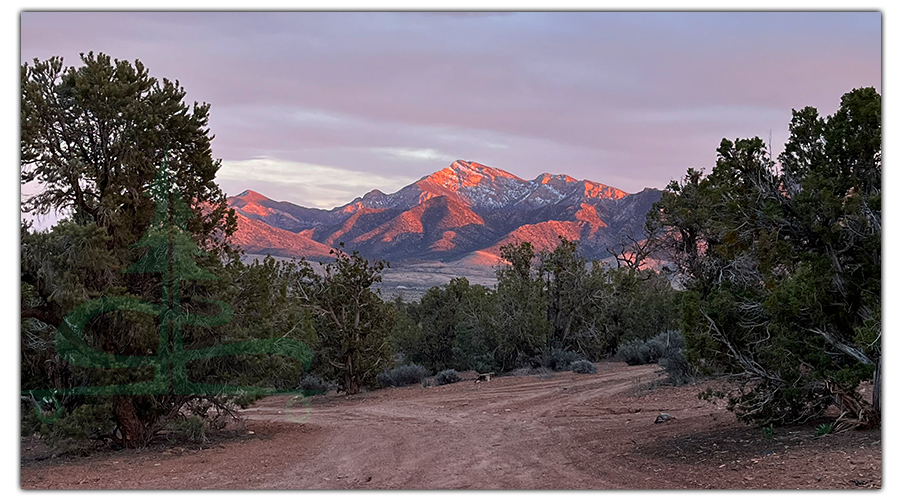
(844, 348)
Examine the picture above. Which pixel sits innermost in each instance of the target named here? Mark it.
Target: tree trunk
(134, 433)
(876, 390)
(351, 381)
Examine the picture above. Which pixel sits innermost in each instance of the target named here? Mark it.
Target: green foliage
(440, 311)
(783, 264)
(406, 334)
(667, 349)
(547, 310)
(445, 377)
(632, 304)
(824, 429)
(635, 352)
(563, 272)
(78, 430)
(402, 376)
(451, 326)
(191, 429)
(642, 352)
(476, 345)
(520, 322)
(268, 299)
(129, 166)
(678, 370)
(352, 322)
(769, 431)
(94, 135)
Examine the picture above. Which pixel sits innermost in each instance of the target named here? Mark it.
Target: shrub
(191, 429)
(402, 376)
(556, 359)
(384, 379)
(78, 431)
(583, 366)
(313, 384)
(823, 429)
(634, 352)
(447, 377)
(677, 368)
(642, 352)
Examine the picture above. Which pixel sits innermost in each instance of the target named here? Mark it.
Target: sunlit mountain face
(464, 212)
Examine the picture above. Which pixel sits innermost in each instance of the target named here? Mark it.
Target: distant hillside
(463, 213)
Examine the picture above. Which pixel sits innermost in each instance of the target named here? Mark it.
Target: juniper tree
(782, 263)
(94, 138)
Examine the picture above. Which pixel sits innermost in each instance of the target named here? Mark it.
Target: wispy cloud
(416, 154)
(319, 186)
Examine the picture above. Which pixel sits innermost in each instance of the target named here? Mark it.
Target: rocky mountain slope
(466, 211)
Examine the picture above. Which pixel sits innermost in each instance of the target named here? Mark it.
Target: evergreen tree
(783, 265)
(118, 314)
(352, 322)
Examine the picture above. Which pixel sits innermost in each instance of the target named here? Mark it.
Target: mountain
(465, 212)
(256, 236)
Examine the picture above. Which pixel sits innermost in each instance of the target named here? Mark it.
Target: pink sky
(318, 108)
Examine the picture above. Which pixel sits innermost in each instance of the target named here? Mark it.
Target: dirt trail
(568, 431)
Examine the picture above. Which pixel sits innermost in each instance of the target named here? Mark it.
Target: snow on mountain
(466, 209)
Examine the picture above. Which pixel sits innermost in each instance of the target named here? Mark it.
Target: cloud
(630, 99)
(415, 154)
(319, 186)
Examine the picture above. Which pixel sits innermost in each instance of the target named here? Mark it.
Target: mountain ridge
(464, 211)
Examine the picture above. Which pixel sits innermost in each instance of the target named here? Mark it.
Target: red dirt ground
(565, 431)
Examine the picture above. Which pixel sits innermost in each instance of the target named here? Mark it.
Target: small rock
(662, 418)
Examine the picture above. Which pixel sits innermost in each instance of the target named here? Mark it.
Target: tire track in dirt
(500, 434)
(565, 431)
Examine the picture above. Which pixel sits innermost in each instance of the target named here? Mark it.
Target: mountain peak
(467, 174)
(472, 169)
(464, 209)
(554, 179)
(251, 196)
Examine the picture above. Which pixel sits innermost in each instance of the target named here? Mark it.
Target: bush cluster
(402, 376)
(643, 352)
(583, 366)
(667, 349)
(78, 431)
(191, 429)
(445, 377)
(313, 384)
(555, 359)
(678, 369)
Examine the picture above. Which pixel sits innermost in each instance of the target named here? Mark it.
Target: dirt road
(567, 431)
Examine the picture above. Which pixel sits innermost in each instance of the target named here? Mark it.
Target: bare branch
(844, 348)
